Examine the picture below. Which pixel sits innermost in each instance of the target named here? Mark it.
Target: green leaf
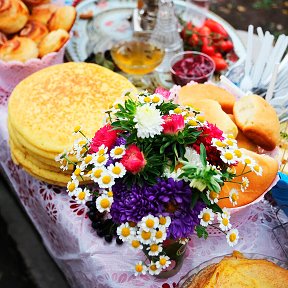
(201, 231)
(215, 208)
(194, 199)
(163, 147)
(203, 155)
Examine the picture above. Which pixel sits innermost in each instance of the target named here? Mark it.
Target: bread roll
(35, 2)
(34, 30)
(13, 16)
(63, 18)
(53, 42)
(215, 115)
(190, 93)
(19, 48)
(257, 184)
(258, 121)
(43, 13)
(3, 38)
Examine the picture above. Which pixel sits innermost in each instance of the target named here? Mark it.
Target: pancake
(46, 106)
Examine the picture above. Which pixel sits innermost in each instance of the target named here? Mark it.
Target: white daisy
(257, 169)
(118, 152)
(140, 268)
(72, 186)
(226, 213)
(212, 196)
(103, 203)
(106, 180)
(193, 157)
(76, 129)
(192, 122)
(126, 232)
(244, 184)
(149, 223)
(232, 237)
(102, 150)
(238, 153)
(160, 235)
(77, 172)
(117, 170)
(146, 237)
(136, 244)
(100, 159)
(224, 222)
(87, 161)
(231, 170)
(228, 157)
(82, 196)
(97, 172)
(231, 143)
(149, 121)
(220, 145)
(233, 196)
(248, 161)
(163, 262)
(156, 99)
(164, 221)
(154, 249)
(145, 98)
(153, 270)
(206, 216)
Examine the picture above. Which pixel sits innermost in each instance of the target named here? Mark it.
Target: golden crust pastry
(63, 18)
(190, 93)
(257, 184)
(3, 38)
(53, 42)
(258, 121)
(34, 30)
(19, 48)
(43, 13)
(13, 16)
(35, 2)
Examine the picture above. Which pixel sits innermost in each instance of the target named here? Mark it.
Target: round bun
(13, 16)
(3, 38)
(35, 2)
(19, 49)
(53, 42)
(63, 18)
(34, 30)
(43, 13)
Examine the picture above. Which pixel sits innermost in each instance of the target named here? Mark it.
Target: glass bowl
(191, 66)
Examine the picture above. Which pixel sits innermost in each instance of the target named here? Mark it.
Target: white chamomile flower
(163, 262)
(106, 180)
(76, 129)
(154, 249)
(149, 121)
(248, 161)
(146, 237)
(232, 237)
(178, 110)
(193, 157)
(257, 169)
(226, 213)
(82, 196)
(238, 153)
(59, 157)
(118, 152)
(228, 157)
(231, 143)
(244, 184)
(191, 122)
(72, 186)
(77, 172)
(109, 193)
(174, 93)
(184, 241)
(153, 270)
(87, 161)
(103, 203)
(136, 244)
(100, 159)
(140, 268)
(206, 216)
(232, 170)
(224, 222)
(117, 170)
(102, 150)
(97, 172)
(156, 99)
(160, 235)
(164, 221)
(145, 98)
(126, 232)
(212, 196)
(200, 119)
(233, 196)
(220, 145)
(149, 223)
(174, 174)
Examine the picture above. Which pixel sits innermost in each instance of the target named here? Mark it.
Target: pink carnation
(173, 124)
(165, 93)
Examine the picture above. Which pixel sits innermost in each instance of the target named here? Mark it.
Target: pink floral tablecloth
(87, 260)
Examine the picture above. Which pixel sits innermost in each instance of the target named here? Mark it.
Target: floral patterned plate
(112, 21)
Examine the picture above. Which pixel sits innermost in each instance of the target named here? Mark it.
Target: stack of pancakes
(44, 109)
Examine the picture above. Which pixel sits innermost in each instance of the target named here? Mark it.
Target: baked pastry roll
(19, 48)
(43, 13)
(53, 42)
(35, 2)
(3, 38)
(13, 16)
(63, 18)
(34, 30)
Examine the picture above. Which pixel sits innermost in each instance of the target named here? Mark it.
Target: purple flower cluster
(167, 197)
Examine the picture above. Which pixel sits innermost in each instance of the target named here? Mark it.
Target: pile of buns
(253, 122)
(238, 271)
(33, 28)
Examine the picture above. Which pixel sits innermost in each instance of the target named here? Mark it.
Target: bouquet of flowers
(157, 170)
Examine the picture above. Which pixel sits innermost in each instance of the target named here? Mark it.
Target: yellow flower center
(155, 99)
(82, 142)
(232, 237)
(106, 179)
(154, 247)
(116, 106)
(200, 118)
(101, 159)
(81, 195)
(135, 243)
(97, 173)
(230, 136)
(219, 143)
(153, 267)
(247, 161)
(88, 159)
(116, 170)
(159, 234)
(101, 152)
(229, 142)
(228, 155)
(118, 151)
(206, 217)
(257, 168)
(89, 172)
(162, 261)
(146, 235)
(225, 221)
(77, 129)
(77, 171)
(83, 150)
(192, 123)
(104, 203)
(238, 153)
(139, 268)
(71, 186)
(178, 110)
(234, 197)
(110, 193)
(150, 223)
(162, 220)
(125, 232)
(147, 99)
(213, 195)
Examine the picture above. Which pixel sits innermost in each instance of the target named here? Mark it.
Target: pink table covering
(87, 260)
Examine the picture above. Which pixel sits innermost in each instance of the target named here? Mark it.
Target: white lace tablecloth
(87, 260)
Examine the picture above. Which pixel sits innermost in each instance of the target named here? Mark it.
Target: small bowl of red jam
(191, 66)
